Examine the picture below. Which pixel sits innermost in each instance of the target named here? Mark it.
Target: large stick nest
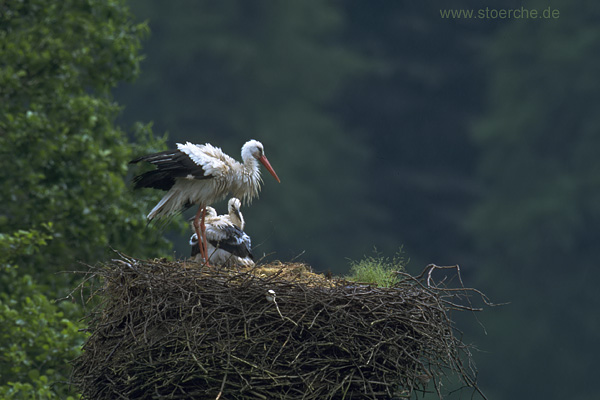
(177, 330)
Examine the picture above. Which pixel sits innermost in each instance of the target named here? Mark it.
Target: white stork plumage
(227, 244)
(234, 215)
(202, 175)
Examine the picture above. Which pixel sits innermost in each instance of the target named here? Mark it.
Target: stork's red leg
(200, 232)
(203, 229)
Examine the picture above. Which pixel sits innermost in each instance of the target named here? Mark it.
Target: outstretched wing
(171, 164)
(211, 159)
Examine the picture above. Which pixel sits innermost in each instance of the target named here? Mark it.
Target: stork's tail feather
(160, 209)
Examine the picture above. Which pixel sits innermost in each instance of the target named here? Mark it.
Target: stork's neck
(237, 218)
(252, 168)
(246, 183)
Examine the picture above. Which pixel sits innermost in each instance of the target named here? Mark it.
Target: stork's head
(210, 212)
(233, 209)
(234, 205)
(254, 148)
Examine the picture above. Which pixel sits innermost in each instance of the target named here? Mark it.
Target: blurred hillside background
(465, 141)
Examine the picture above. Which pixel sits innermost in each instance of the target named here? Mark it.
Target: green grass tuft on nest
(377, 269)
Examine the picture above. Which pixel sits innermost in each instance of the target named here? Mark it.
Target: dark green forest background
(463, 141)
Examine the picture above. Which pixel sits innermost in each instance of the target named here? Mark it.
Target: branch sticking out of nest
(176, 330)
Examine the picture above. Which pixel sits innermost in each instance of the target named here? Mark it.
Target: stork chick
(227, 244)
(234, 214)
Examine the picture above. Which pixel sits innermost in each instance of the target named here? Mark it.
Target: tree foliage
(37, 335)
(414, 110)
(62, 158)
(64, 177)
(536, 227)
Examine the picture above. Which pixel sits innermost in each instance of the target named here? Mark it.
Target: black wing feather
(236, 242)
(195, 250)
(170, 164)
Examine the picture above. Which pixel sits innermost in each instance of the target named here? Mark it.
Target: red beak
(267, 165)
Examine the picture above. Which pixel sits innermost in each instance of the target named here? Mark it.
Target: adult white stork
(227, 244)
(202, 175)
